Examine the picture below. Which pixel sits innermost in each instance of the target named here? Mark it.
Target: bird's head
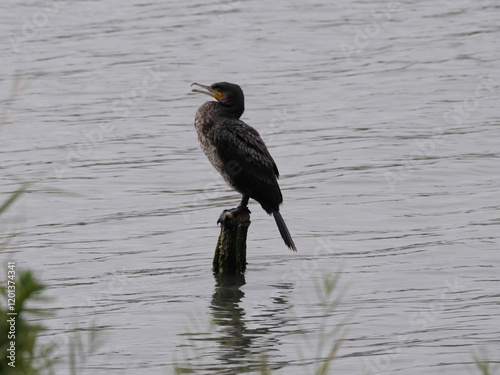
(228, 94)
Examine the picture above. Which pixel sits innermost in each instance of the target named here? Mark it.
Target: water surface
(383, 121)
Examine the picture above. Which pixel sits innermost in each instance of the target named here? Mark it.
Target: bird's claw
(222, 218)
(233, 211)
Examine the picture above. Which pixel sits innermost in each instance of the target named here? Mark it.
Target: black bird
(238, 152)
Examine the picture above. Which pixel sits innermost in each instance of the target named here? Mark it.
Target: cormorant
(238, 152)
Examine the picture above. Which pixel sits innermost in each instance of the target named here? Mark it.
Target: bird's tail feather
(285, 234)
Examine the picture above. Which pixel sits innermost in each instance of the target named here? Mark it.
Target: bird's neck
(234, 111)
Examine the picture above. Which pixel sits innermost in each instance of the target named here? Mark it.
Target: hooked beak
(210, 91)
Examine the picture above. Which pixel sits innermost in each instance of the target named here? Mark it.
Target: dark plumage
(238, 152)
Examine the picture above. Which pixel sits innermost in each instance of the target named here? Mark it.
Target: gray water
(382, 118)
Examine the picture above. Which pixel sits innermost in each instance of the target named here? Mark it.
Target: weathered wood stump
(231, 251)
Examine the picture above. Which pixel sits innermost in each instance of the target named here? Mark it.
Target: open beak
(210, 91)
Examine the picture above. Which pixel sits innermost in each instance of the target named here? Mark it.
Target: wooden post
(231, 252)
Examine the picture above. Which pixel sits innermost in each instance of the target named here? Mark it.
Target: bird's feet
(233, 212)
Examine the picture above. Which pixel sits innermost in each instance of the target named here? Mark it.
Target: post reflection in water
(242, 346)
